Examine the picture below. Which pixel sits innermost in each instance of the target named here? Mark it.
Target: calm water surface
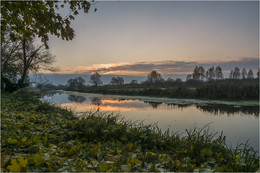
(239, 124)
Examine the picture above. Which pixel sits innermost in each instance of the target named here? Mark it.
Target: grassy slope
(40, 137)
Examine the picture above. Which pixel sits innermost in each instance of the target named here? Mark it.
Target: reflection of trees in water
(171, 105)
(215, 109)
(77, 99)
(52, 93)
(178, 106)
(228, 109)
(153, 104)
(96, 101)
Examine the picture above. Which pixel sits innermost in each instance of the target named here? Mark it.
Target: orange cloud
(164, 67)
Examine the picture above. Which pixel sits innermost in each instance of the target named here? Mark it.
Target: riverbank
(226, 89)
(39, 137)
(166, 99)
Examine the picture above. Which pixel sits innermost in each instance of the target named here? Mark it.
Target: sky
(134, 38)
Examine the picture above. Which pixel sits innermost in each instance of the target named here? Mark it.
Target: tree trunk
(21, 83)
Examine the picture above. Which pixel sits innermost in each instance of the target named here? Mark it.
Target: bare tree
(250, 74)
(199, 73)
(236, 73)
(95, 79)
(189, 77)
(210, 74)
(196, 74)
(133, 82)
(117, 81)
(231, 74)
(218, 72)
(154, 77)
(244, 73)
(20, 58)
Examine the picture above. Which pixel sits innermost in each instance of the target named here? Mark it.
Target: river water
(238, 123)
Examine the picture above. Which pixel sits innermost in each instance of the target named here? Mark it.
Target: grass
(40, 137)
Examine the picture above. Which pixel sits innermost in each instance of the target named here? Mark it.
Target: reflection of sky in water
(238, 127)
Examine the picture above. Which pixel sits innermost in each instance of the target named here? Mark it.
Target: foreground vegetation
(38, 136)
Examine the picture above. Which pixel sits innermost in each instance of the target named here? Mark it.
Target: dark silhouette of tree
(210, 74)
(117, 81)
(20, 58)
(231, 74)
(169, 80)
(195, 74)
(244, 73)
(250, 74)
(30, 19)
(133, 82)
(236, 73)
(76, 83)
(218, 73)
(189, 77)
(178, 79)
(22, 21)
(257, 74)
(95, 79)
(198, 73)
(154, 77)
(201, 73)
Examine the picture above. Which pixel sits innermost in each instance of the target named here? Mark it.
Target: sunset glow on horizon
(164, 67)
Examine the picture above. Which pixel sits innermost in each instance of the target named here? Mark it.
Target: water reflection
(243, 125)
(115, 104)
(96, 101)
(77, 99)
(153, 104)
(229, 110)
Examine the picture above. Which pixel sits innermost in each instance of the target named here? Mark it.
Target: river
(238, 123)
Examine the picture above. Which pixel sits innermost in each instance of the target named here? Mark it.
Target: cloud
(164, 67)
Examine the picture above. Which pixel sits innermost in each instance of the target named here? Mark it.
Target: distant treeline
(228, 89)
(199, 84)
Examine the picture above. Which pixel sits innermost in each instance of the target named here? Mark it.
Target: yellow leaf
(153, 154)
(85, 170)
(38, 159)
(237, 156)
(12, 141)
(23, 140)
(23, 162)
(14, 167)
